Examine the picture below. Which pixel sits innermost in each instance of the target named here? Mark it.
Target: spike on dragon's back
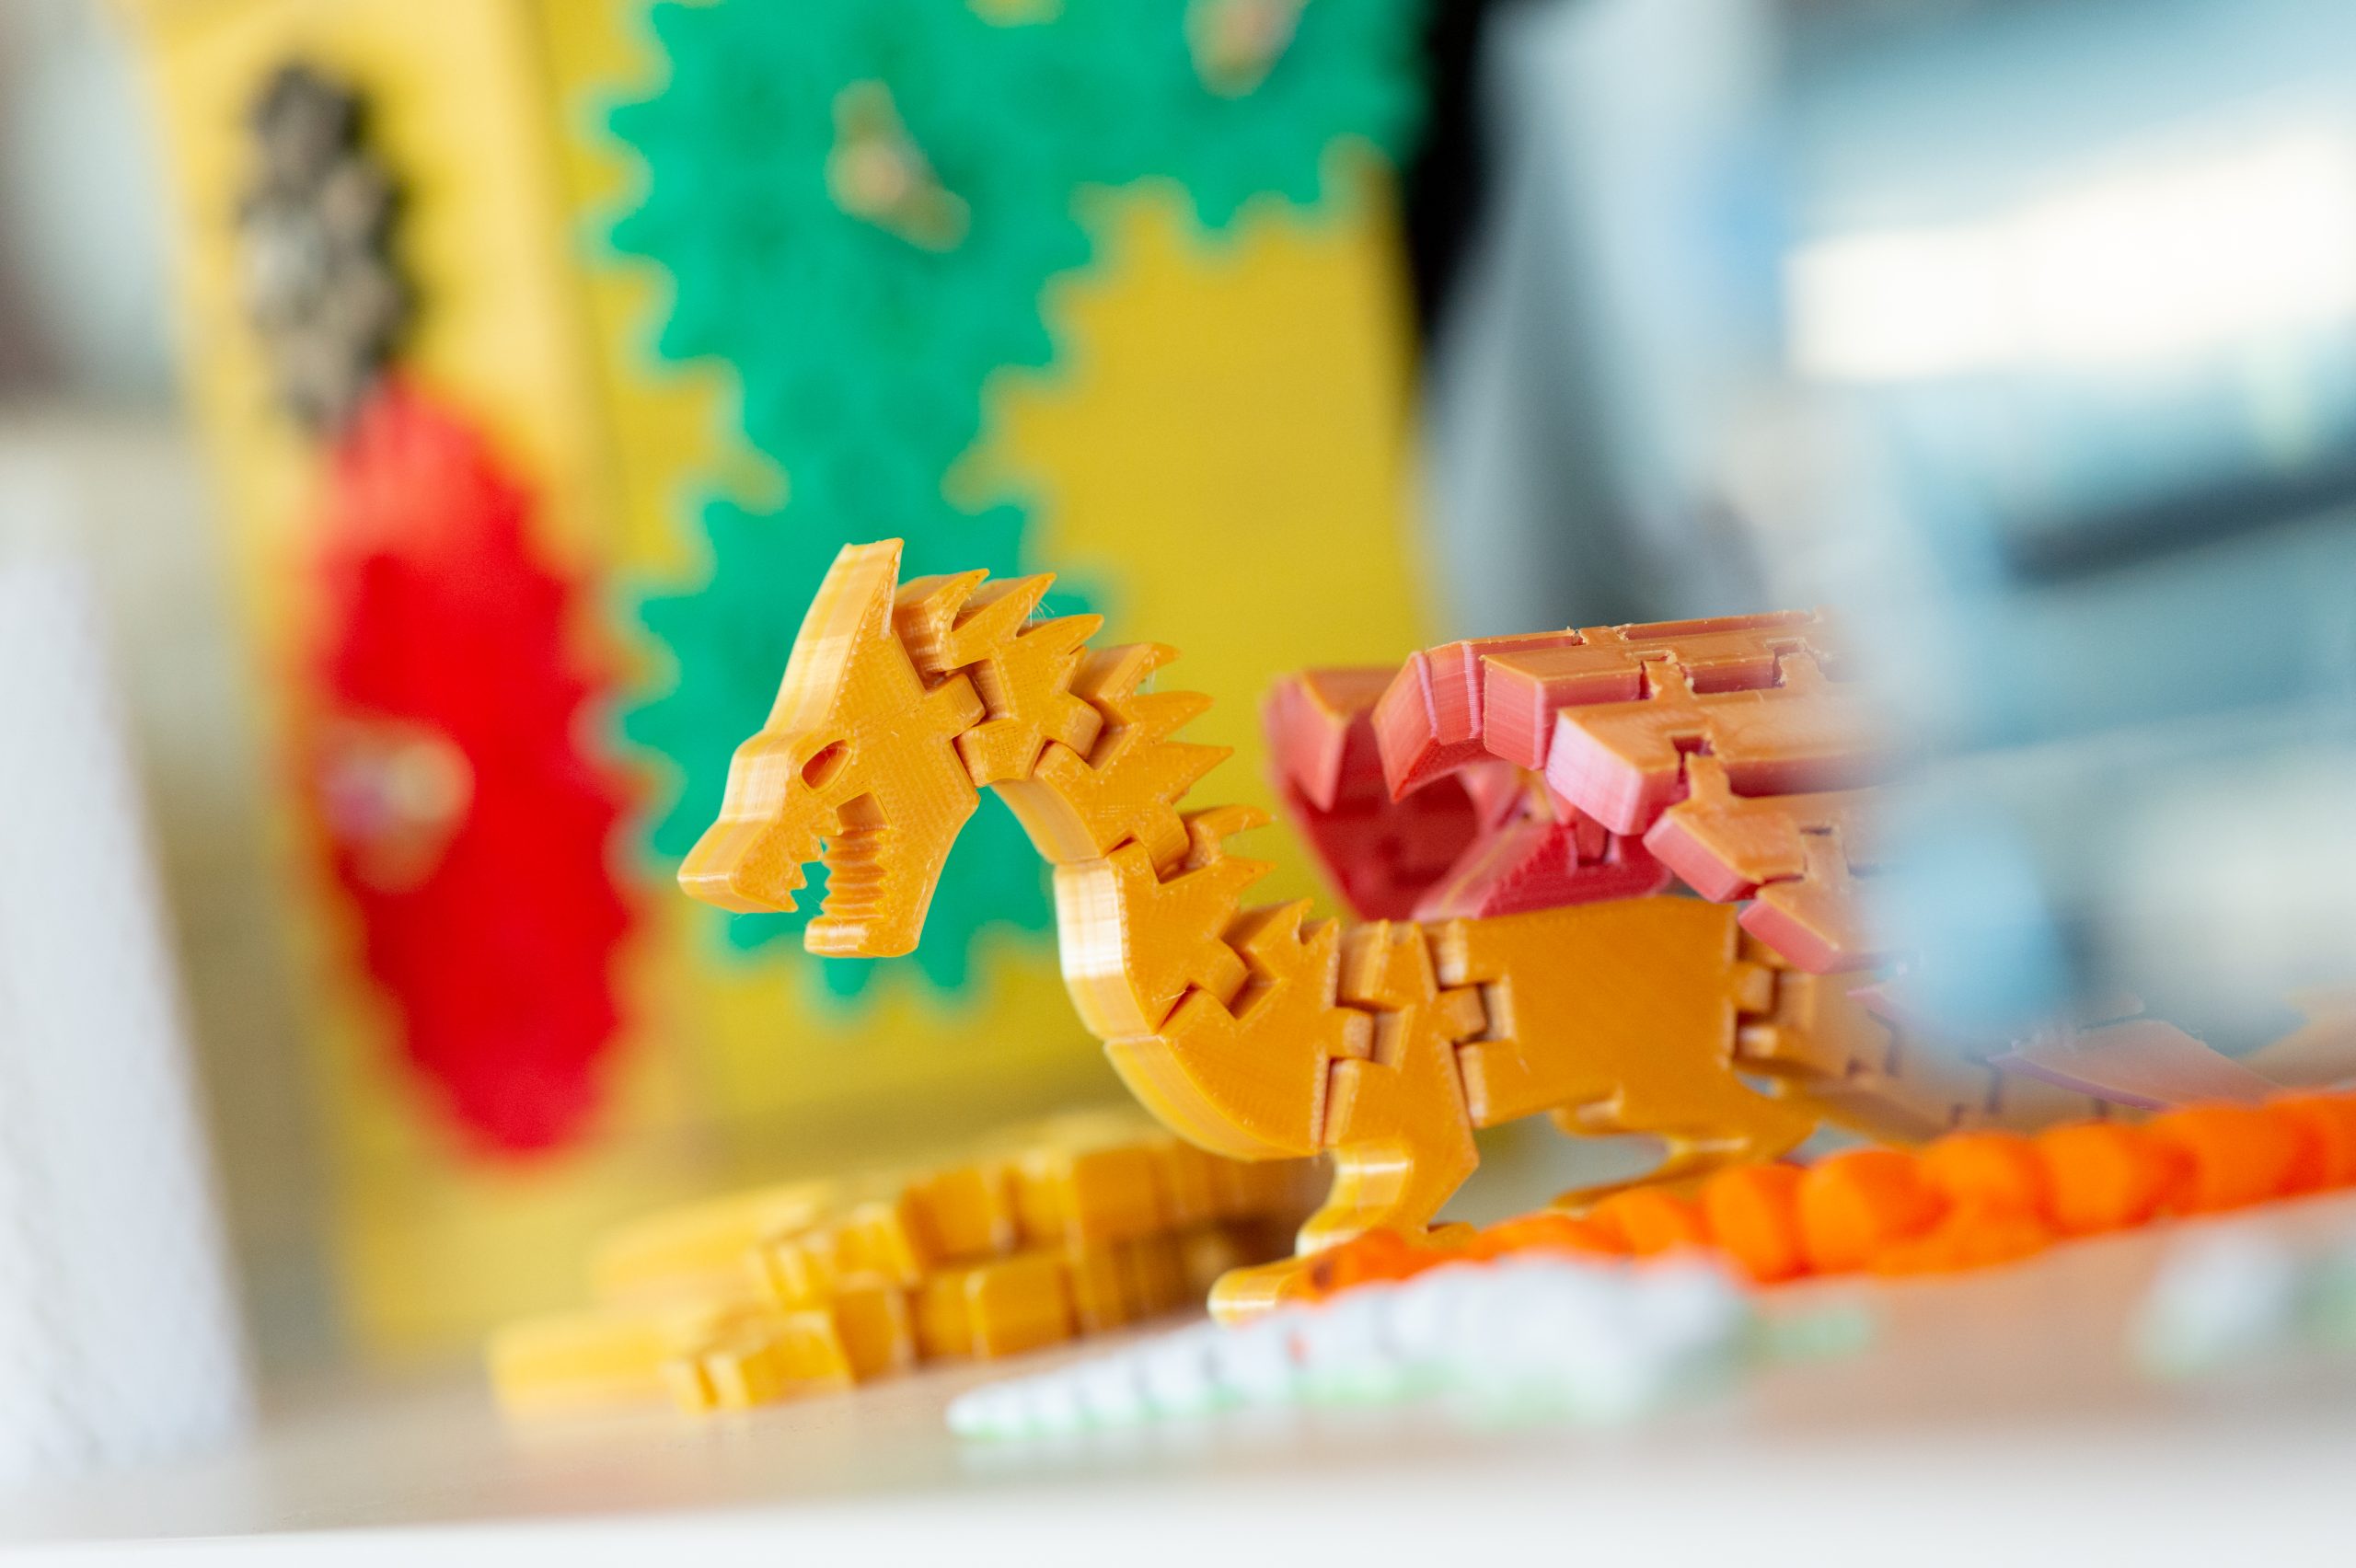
(1531, 963)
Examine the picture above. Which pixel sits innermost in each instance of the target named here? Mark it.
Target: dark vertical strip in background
(1446, 179)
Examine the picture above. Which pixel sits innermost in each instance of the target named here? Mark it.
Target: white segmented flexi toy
(1592, 1341)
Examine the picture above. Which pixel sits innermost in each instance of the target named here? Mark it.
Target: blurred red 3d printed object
(448, 768)
(1721, 744)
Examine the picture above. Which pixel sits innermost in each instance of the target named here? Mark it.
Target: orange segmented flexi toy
(1259, 1033)
(1967, 1201)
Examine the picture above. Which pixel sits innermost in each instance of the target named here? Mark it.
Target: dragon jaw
(857, 767)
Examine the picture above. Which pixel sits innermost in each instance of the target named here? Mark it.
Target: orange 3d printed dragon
(1513, 810)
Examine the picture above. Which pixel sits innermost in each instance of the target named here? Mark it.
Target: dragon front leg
(1394, 1118)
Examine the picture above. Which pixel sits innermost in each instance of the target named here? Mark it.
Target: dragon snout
(800, 802)
(752, 859)
(750, 867)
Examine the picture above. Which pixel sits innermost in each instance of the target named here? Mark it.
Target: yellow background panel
(1223, 440)
(1218, 456)
(429, 1239)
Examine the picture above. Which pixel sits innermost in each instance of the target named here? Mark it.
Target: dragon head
(856, 765)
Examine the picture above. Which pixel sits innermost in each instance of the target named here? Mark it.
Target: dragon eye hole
(824, 764)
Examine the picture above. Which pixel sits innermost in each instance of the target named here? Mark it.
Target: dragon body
(1260, 1032)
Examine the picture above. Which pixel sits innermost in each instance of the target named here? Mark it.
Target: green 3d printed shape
(858, 202)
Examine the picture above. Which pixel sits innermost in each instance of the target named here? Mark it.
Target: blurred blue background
(2022, 334)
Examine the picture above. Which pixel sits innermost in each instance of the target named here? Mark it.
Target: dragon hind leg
(1745, 1136)
(1620, 1017)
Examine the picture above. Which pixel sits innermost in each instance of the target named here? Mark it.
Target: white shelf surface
(1994, 1416)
